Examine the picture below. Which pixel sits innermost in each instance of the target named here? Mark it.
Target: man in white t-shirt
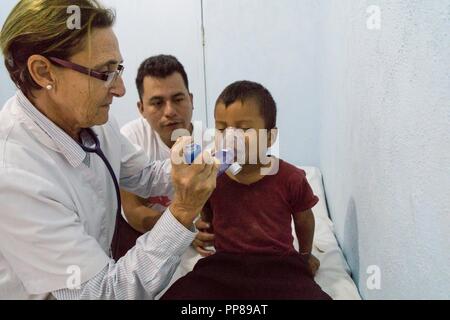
(165, 105)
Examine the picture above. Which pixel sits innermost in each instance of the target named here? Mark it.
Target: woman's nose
(118, 88)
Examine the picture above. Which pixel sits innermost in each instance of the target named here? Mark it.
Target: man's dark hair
(246, 90)
(161, 66)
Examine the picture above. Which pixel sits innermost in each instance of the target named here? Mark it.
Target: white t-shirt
(140, 133)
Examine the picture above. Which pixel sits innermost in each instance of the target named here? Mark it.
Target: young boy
(251, 216)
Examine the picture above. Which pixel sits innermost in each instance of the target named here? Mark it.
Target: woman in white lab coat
(62, 160)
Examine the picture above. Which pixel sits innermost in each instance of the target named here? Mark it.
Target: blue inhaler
(224, 156)
(191, 151)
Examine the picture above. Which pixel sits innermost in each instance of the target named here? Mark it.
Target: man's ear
(41, 70)
(272, 137)
(140, 107)
(192, 100)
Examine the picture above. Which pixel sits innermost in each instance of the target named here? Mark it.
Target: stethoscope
(88, 136)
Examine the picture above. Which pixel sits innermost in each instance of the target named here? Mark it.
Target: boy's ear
(140, 106)
(272, 136)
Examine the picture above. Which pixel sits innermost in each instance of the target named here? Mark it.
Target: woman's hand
(193, 184)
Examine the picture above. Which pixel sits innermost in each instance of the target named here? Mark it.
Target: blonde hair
(41, 27)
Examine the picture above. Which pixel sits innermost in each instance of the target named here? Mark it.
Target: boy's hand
(313, 264)
(203, 239)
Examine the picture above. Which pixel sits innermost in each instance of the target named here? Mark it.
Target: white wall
(7, 87)
(271, 42)
(385, 141)
(149, 27)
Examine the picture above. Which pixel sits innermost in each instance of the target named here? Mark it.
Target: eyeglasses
(108, 77)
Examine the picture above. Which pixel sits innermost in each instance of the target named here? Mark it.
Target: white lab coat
(55, 211)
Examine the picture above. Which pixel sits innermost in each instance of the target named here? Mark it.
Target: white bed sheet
(334, 273)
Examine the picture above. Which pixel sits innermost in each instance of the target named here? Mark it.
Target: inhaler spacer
(225, 157)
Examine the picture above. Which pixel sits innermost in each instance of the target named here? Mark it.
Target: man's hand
(313, 264)
(203, 239)
(193, 184)
(139, 216)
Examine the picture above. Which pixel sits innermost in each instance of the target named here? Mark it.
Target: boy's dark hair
(160, 66)
(245, 90)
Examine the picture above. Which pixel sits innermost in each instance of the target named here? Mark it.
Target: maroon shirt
(257, 218)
